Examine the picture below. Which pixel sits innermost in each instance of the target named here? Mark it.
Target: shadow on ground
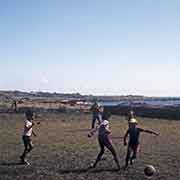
(89, 170)
(11, 164)
(78, 130)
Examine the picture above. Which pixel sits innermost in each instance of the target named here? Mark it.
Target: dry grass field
(64, 152)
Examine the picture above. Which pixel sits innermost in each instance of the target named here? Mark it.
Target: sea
(161, 103)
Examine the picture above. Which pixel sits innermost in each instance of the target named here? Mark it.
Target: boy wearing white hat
(133, 144)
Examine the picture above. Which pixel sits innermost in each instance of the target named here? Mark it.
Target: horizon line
(85, 94)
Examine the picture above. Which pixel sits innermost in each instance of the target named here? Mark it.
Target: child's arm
(34, 133)
(93, 131)
(150, 132)
(127, 132)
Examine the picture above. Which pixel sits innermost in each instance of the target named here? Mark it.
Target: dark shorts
(106, 141)
(26, 140)
(134, 147)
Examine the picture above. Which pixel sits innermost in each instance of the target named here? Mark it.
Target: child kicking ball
(105, 141)
(133, 144)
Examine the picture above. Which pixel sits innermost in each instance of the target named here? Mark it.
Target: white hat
(133, 120)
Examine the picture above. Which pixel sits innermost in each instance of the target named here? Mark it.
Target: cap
(133, 120)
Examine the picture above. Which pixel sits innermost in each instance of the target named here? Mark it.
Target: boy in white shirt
(27, 133)
(105, 141)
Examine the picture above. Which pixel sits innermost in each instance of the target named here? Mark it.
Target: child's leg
(99, 118)
(111, 148)
(25, 149)
(93, 121)
(100, 154)
(129, 150)
(30, 146)
(135, 150)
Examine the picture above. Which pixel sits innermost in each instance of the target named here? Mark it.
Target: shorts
(26, 140)
(135, 147)
(105, 141)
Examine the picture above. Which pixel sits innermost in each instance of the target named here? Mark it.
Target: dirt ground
(64, 152)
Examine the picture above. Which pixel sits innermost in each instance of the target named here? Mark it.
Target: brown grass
(63, 150)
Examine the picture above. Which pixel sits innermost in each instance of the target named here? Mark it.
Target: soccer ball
(149, 170)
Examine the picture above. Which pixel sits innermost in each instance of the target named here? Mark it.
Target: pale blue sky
(106, 47)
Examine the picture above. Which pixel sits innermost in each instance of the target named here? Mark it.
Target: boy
(95, 114)
(27, 135)
(101, 113)
(133, 144)
(105, 141)
(130, 115)
(101, 116)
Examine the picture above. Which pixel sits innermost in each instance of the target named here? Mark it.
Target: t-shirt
(134, 135)
(103, 131)
(27, 132)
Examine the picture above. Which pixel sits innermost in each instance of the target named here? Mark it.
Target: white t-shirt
(27, 132)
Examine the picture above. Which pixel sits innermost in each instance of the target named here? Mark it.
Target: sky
(99, 47)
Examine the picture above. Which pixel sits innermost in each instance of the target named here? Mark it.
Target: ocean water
(174, 103)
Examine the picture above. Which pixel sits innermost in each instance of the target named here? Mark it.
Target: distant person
(95, 114)
(102, 116)
(14, 106)
(130, 115)
(133, 144)
(105, 141)
(101, 113)
(27, 133)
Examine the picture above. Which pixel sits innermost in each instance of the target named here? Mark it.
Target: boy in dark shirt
(133, 144)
